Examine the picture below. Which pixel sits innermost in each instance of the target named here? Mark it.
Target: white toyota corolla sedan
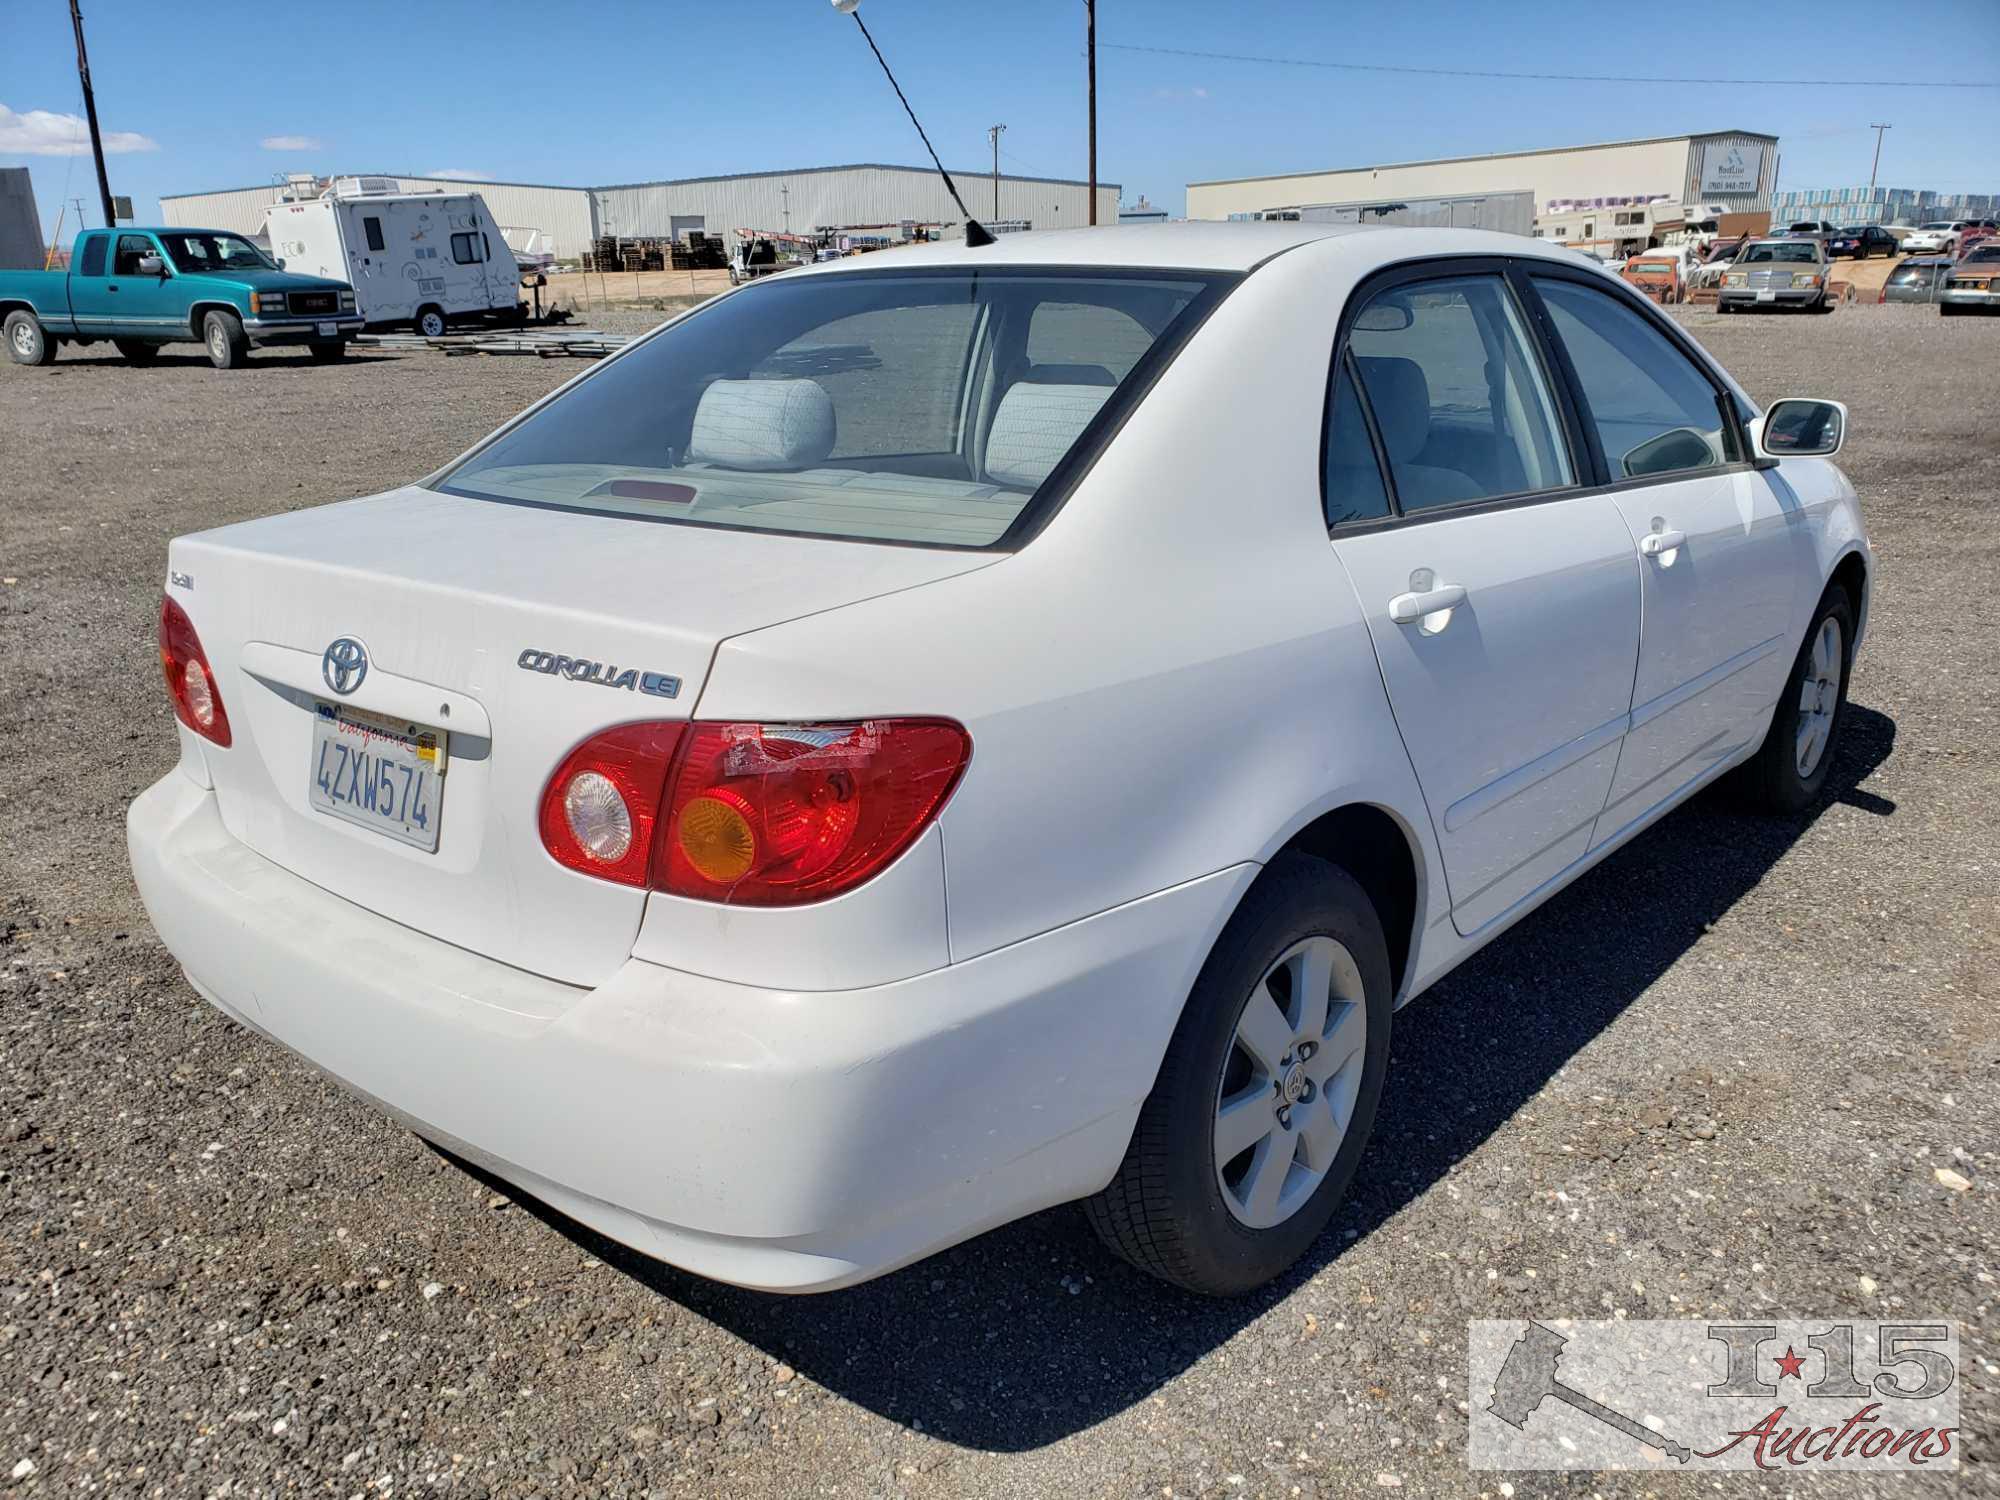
(916, 741)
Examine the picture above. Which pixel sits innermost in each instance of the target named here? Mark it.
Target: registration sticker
(382, 773)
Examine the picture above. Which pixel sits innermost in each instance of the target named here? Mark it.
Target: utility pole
(90, 114)
(1090, 50)
(993, 131)
(1878, 129)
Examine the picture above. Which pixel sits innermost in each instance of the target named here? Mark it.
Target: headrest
(1035, 426)
(1400, 397)
(762, 424)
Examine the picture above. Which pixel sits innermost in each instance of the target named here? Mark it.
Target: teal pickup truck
(143, 288)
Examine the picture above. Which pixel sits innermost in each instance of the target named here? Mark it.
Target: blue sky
(207, 97)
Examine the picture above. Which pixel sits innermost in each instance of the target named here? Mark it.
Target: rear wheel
(1791, 767)
(137, 351)
(326, 351)
(1268, 1091)
(222, 334)
(28, 343)
(430, 322)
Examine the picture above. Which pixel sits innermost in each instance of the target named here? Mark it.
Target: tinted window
(1354, 489)
(1457, 394)
(1654, 411)
(870, 405)
(130, 248)
(372, 228)
(91, 262)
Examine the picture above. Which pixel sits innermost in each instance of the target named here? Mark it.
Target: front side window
(132, 248)
(467, 250)
(1655, 413)
(1459, 399)
(192, 253)
(911, 406)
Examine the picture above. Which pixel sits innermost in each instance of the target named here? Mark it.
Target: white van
(415, 260)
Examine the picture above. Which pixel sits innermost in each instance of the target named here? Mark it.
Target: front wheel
(28, 343)
(222, 334)
(1268, 1091)
(1791, 767)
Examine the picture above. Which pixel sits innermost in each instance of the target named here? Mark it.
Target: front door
(141, 304)
(1722, 552)
(1503, 602)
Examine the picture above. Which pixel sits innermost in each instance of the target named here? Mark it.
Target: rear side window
(1655, 413)
(372, 228)
(1354, 489)
(91, 262)
(926, 407)
(1458, 396)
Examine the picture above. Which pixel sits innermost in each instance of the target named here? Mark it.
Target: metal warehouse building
(1728, 170)
(802, 201)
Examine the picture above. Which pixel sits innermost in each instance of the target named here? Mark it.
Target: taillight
(190, 682)
(600, 808)
(750, 814)
(784, 814)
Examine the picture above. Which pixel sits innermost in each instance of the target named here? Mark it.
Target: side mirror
(152, 265)
(1802, 428)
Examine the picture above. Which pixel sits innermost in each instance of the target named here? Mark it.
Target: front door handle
(1658, 541)
(1410, 609)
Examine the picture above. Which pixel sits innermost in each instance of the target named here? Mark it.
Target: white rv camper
(415, 260)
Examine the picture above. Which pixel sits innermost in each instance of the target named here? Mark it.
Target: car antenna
(976, 234)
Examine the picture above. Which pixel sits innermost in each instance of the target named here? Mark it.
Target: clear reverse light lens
(597, 815)
(200, 701)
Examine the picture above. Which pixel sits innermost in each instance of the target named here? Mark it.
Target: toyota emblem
(344, 664)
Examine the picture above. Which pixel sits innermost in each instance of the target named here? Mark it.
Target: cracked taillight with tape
(190, 681)
(785, 814)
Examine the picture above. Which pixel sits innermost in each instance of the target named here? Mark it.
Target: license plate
(1767, 296)
(329, 330)
(382, 773)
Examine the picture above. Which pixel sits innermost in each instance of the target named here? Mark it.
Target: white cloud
(42, 132)
(459, 174)
(292, 143)
(1194, 93)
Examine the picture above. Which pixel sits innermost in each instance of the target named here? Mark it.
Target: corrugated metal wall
(842, 197)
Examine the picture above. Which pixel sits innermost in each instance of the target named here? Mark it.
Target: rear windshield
(918, 406)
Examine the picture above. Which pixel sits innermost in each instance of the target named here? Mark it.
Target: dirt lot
(1717, 1077)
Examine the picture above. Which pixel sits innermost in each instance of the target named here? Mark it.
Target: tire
(327, 351)
(1783, 777)
(137, 351)
(222, 334)
(1173, 1210)
(1824, 305)
(430, 322)
(28, 343)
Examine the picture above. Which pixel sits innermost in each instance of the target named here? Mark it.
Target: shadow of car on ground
(982, 1345)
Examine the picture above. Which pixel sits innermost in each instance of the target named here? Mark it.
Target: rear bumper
(781, 1140)
(300, 330)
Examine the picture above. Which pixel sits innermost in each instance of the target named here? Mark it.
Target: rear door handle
(1409, 609)
(1657, 541)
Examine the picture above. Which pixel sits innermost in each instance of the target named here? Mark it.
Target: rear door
(1501, 596)
(1723, 552)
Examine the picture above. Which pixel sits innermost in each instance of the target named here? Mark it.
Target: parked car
(1973, 284)
(1812, 229)
(1939, 237)
(1977, 232)
(1657, 274)
(1777, 273)
(144, 288)
(1917, 279)
(1862, 242)
(586, 804)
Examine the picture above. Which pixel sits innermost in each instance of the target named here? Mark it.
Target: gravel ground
(1717, 1077)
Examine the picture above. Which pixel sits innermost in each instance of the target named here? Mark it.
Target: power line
(1351, 67)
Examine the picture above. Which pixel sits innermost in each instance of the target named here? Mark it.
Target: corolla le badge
(581, 669)
(344, 664)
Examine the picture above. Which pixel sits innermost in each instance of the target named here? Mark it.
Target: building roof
(1439, 161)
(473, 185)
